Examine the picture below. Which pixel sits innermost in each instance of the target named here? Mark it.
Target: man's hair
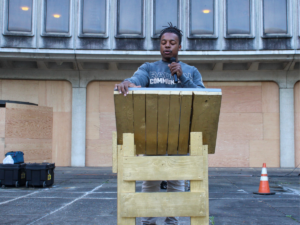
(171, 29)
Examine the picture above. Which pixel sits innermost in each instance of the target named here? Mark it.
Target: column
(287, 132)
(78, 127)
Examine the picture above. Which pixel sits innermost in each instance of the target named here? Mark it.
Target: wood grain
(124, 113)
(185, 120)
(2, 122)
(139, 117)
(59, 95)
(123, 186)
(174, 115)
(169, 204)
(35, 150)
(151, 124)
(25, 121)
(93, 97)
(115, 153)
(163, 122)
(163, 168)
(2, 147)
(206, 111)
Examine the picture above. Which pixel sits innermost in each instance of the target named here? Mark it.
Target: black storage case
(39, 174)
(12, 174)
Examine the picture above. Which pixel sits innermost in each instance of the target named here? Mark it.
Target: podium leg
(197, 148)
(127, 149)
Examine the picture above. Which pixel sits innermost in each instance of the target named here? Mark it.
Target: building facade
(68, 54)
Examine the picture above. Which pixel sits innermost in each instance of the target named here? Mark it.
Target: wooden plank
(169, 204)
(163, 122)
(205, 119)
(25, 121)
(35, 150)
(139, 116)
(197, 149)
(2, 146)
(2, 122)
(185, 120)
(93, 97)
(151, 124)
(115, 152)
(174, 115)
(124, 115)
(163, 168)
(123, 186)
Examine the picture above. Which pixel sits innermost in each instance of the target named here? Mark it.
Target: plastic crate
(39, 174)
(12, 174)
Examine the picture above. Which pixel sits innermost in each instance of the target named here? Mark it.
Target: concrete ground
(89, 196)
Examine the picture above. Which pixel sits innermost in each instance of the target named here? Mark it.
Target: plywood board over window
(248, 132)
(55, 94)
(100, 123)
(297, 122)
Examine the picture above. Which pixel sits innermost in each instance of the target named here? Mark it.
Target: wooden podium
(156, 122)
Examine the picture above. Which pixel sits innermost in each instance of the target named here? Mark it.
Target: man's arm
(139, 79)
(196, 83)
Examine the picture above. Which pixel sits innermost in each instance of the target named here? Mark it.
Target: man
(160, 74)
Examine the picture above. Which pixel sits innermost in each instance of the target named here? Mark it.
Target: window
(20, 15)
(164, 12)
(275, 17)
(93, 16)
(238, 17)
(202, 18)
(57, 16)
(130, 18)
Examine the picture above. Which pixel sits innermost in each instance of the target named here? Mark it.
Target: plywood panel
(163, 122)
(297, 122)
(2, 146)
(98, 153)
(241, 99)
(35, 150)
(93, 97)
(264, 151)
(151, 124)
(240, 126)
(106, 96)
(2, 122)
(271, 126)
(24, 121)
(297, 137)
(92, 125)
(232, 84)
(270, 97)
(20, 90)
(61, 153)
(185, 119)
(59, 96)
(139, 122)
(42, 95)
(206, 111)
(230, 153)
(174, 115)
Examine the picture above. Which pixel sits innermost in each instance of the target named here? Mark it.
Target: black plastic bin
(12, 174)
(39, 174)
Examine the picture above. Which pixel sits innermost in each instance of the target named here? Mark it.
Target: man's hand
(175, 68)
(123, 87)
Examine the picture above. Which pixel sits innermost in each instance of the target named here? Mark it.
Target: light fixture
(206, 11)
(56, 15)
(25, 8)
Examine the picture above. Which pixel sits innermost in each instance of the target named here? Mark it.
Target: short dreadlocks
(171, 29)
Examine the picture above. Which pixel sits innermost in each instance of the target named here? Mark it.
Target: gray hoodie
(158, 74)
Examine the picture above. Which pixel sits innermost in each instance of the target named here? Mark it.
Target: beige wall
(100, 123)
(56, 94)
(248, 129)
(248, 132)
(297, 123)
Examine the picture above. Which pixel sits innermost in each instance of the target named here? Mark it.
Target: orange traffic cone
(264, 188)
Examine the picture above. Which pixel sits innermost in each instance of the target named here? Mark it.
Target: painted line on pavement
(66, 205)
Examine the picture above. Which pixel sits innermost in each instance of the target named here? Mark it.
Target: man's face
(169, 46)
